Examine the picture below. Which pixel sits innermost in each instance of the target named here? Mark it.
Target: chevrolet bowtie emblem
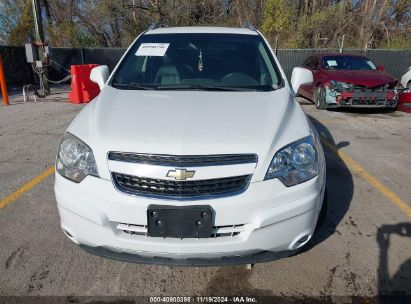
(180, 174)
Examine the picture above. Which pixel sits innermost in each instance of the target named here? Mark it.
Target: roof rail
(248, 25)
(156, 25)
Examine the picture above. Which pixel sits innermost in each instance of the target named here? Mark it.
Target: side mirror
(301, 76)
(99, 75)
(380, 68)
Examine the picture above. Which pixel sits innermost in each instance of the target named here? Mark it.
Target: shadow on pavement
(391, 289)
(395, 289)
(361, 111)
(340, 188)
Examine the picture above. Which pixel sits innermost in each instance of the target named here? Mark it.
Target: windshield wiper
(132, 86)
(197, 87)
(138, 86)
(205, 87)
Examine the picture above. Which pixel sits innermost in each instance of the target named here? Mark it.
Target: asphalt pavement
(362, 248)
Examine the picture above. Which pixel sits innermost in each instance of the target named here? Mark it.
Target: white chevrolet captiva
(194, 153)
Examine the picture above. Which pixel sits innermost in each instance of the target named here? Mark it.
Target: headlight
(340, 85)
(75, 160)
(295, 163)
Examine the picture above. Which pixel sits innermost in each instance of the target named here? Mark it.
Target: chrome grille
(180, 189)
(183, 160)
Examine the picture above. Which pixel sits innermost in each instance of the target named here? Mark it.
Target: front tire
(319, 98)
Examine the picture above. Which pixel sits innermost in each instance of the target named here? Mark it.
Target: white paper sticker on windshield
(152, 49)
(332, 63)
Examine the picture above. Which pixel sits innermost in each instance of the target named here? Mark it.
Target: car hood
(364, 78)
(190, 123)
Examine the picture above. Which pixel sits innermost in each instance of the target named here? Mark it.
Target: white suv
(406, 79)
(194, 153)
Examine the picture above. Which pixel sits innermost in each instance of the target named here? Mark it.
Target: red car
(347, 80)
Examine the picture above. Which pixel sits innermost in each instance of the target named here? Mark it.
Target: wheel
(319, 98)
(394, 107)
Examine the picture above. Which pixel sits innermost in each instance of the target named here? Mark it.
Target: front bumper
(361, 99)
(274, 218)
(260, 257)
(404, 102)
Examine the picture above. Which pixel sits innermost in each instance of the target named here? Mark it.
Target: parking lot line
(26, 187)
(357, 168)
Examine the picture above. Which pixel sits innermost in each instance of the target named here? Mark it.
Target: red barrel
(404, 102)
(82, 88)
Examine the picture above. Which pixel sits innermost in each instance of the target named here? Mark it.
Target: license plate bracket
(179, 221)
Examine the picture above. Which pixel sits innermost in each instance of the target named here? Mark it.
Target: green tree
(16, 22)
(296, 23)
(277, 22)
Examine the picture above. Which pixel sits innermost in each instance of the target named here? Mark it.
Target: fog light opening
(303, 239)
(67, 233)
(300, 241)
(70, 236)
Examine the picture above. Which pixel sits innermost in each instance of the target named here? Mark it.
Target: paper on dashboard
(152, 49)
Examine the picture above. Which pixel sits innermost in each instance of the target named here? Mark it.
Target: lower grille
(217, 231)
(180, 189)
(383, 88)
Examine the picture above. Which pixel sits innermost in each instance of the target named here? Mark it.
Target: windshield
(347, 63)
(198, 61)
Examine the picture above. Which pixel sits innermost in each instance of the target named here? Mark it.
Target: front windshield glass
(198, 61)
(347, 63)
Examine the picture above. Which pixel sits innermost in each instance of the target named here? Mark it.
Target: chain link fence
(395, 62)
(18, 72)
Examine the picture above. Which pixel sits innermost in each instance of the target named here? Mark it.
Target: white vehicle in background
(194, 153)
(406, 79)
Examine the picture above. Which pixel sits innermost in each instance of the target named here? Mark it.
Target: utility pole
(39, 36)
(341, 45)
